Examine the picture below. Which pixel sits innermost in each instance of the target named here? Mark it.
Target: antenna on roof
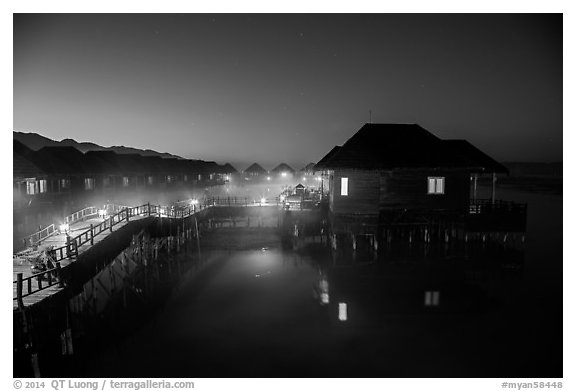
(370, 115)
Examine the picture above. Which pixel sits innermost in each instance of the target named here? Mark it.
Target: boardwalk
(85, 229)
(66, 247)
(22, 261)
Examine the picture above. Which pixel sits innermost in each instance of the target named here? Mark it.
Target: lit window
(344, 187)
(435, 185)
(150, 180)
(125, 181)
(432, 298)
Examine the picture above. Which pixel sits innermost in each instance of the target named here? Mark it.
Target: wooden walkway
(64, 248)
(86, 228)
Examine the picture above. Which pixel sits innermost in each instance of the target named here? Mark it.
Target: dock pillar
(59, 275)
(19, 291)
(493, 188)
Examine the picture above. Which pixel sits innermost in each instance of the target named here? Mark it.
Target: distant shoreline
(532, 184)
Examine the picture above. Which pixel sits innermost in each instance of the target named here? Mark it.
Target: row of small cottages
(387, 171)
(57, 171)
(281, 172)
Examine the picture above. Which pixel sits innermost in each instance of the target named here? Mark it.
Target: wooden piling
(59, 275)
(19, 278)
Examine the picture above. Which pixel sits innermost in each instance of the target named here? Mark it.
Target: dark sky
(272, 88)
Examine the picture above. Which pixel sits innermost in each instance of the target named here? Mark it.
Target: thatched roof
(390, 146)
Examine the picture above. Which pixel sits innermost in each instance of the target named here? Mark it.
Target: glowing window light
(194, 202)
(325, 298)
(282, 198)
(344, 187)
(304, 178)
(262, 200)
(432, 298)
(284, 174)
(342, 312)
(267, 178)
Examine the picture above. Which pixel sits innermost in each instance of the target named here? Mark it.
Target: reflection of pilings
(435, 240)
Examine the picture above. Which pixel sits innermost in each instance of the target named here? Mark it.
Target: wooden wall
(409, 189)
(363, 192)
(370, 191)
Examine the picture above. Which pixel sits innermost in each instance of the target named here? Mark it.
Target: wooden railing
(38, 237)
(487, 206)
(81, 214)
(51, 277)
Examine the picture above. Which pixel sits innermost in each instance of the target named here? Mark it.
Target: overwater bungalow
(255, 172)
(283, 172)
(402, 175)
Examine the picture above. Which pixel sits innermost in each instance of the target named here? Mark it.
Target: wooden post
(197, 236)
(127, 214)
(68, 246)
(111, 222)
(91, 234)
(59, 275)
(493, 188)
(19, 291)
(148, 209)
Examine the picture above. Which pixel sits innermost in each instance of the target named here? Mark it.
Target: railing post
(148, 209)
(111, 217)
(67, 246)
(127, 214)
(91, 234)
(19, 291)
(59, 275)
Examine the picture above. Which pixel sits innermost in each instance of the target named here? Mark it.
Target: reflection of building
(391, 172)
